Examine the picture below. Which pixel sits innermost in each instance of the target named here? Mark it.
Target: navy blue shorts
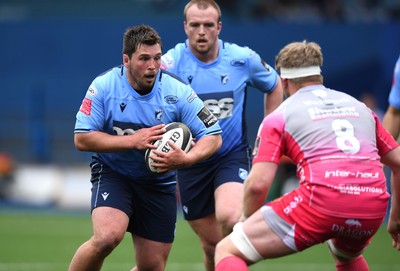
(198, 183)
(151, 208)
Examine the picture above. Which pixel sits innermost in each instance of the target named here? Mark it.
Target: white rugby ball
(178, 133)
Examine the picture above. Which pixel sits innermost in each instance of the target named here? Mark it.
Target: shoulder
(173, 55)
(172, 78)
(234, 49)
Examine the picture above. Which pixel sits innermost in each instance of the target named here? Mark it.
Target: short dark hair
(137, 35)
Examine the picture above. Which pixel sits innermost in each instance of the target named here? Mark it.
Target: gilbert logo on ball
(178, 133)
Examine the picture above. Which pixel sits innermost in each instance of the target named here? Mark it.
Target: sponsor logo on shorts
(353, 222)
(293, 204)
(105, 195)
(352, 229)
(243, 173)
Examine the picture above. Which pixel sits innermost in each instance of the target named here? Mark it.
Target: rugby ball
(178, 133)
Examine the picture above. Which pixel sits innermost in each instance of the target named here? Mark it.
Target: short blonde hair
(203, 4)
(300, 54)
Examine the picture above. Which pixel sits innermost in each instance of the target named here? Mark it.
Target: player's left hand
(172, 160)
(393, 227)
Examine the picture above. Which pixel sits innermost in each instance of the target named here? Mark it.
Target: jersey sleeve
(91, 112)
(262, 76)
(384, 140)
(199, 119)
(394, 96)
(268, 146)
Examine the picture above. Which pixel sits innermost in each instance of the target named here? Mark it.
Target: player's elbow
(80, 142)
(218, 142)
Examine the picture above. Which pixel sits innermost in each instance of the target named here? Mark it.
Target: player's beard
(144, 84)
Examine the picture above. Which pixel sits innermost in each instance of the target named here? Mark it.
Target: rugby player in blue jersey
(125, 109)
(391, 119)
(221, 74)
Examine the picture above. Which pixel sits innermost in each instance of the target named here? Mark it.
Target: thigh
(109, 223)
(154, 215)
(352, 236)
(196, 191)
(228, 201)
(264, 239)
(110, 189)
(150, 255)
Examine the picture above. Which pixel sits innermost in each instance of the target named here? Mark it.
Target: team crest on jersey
(224, 78)
(159, 114)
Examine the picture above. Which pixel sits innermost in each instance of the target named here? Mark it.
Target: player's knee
(339, 255)
(106, 243)
(227, 221)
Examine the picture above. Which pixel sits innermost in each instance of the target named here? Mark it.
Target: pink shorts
(301, 226)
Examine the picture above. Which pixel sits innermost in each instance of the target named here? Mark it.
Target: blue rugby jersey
(394, 96)
(222, 85)
(112, 106)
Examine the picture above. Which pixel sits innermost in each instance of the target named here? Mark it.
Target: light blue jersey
(222, 85)
(394, 96)
(112, 106)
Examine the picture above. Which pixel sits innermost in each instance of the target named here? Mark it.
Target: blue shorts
(198, 183)
(151, 208)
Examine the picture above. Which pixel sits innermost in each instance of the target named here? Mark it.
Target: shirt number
(345, 139)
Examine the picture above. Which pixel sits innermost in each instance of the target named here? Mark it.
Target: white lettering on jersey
(222, 108)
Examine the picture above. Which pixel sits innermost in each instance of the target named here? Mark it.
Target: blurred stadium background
(50, 51)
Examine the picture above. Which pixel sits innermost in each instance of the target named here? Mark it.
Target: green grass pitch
(46, 241)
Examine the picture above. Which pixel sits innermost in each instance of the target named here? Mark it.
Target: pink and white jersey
(336, 143)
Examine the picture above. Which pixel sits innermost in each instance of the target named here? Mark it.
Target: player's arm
(391, 121)
(257, 186)
(97, 141)
(273, 99)
(392, 159)
(177, 158)
(203, 149)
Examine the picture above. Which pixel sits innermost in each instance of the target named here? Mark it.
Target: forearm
(102, 142)
(252, 199)
(257, 186)
(274, 99)
(391, 121)
(395, 197)
(204, 148)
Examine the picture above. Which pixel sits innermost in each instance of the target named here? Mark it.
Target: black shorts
(198, 183)
(151, 208)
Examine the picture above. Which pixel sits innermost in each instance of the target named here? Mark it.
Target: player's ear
(125, 60)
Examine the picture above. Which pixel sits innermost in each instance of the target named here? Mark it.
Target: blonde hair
(300, 54)
(203, 4)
